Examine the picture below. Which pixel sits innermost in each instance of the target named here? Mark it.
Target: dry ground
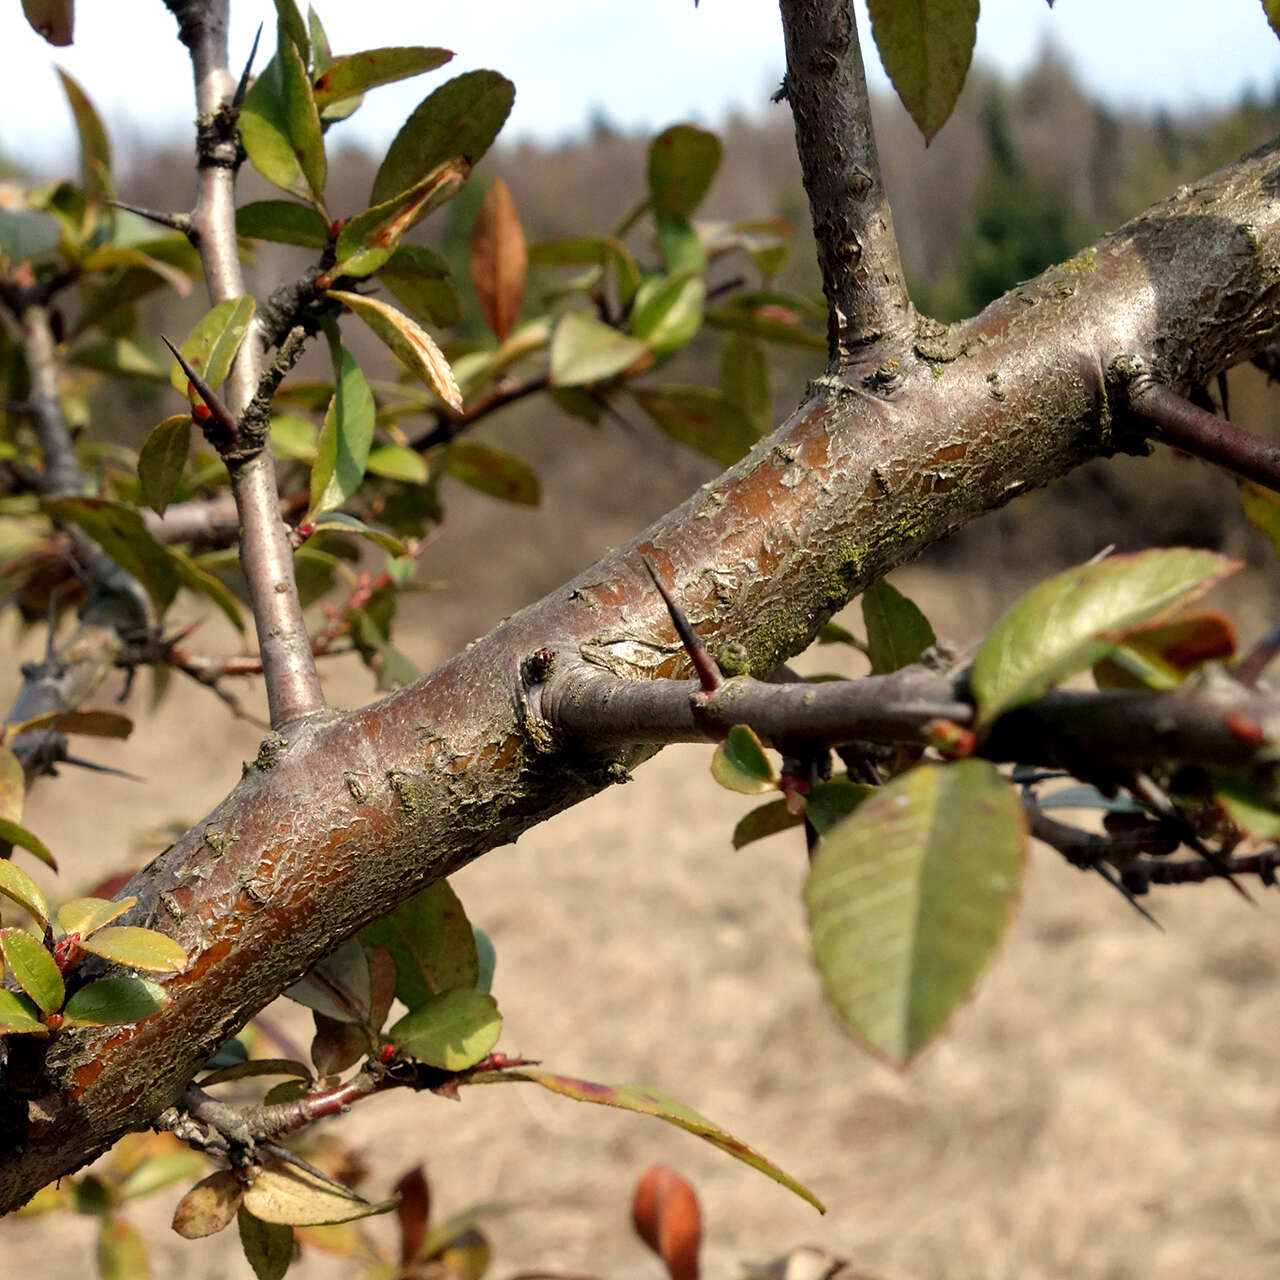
(1106, 1108)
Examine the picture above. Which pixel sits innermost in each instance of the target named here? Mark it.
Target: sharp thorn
(243, 87)
(709, 675)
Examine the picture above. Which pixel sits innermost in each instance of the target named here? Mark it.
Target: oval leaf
(586, 350)
(491, 471)
(461, 118)
(13, 786)
(55, 20)
(284, 221)
(926, 46)
(268, 1246)
(208, 1206)
(398, 462)
(354, 73)
(767, 820)
(212, 344)
(408, 342)
(499, 260)
(162, 459)
(339, 986)
(740, 763)
(1067, 624)
(909, 899)
(345, 438)
(112, 1001)
(14, 834)
(682, 162)
(897, 632)
(86, 915)
(291, 1196)
(137, 948)
(22, 889)
(19, 1015)
(640, 1098)
(452, 1031)
(668, 310)
(702, 418)
(431, 942)
(419, 279)
(34, 968)
(665, 1213)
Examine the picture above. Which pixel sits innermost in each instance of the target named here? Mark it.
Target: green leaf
(766, 820)
(87, 915)
(646, 1101)
(668, 311)
(339, 522)
(399, 462)
(280, 127)
(345, 438)
(369, 239)
(293, 439)
(162, 460)
(19, 835)
(121, 357)
(408, 342)
(196, 579)
(897, 632)
(431, 942)
(418, 277)
(34, 968)
(22, 889)
(208, 1206)
(122, 534)
(740, 763)
(491, 471)
(354, 73)
(1270, 7)
(285, 1194)
(137, 948)
(702, 418)
(52, 19)
(27, 233)
(95, 151)
(744, 379)
(1068, 623)
(339, 986)
(925, 46)
(256, 1067)
(461, 118)
(600, 251)
(268, 1246)
(19, 1015)
(112, 1001)
(585, 350)
(283, 221)
(212, 345)
(682, 162)
(1253, 811)
(910, 897)
(290, 28)
(160, 1170)
(681, 246)
(13, 786)
(122, 1253)
(452, 1031)
(831, 802)
(486, 961)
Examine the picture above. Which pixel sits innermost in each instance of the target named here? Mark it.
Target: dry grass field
(1106, 1108)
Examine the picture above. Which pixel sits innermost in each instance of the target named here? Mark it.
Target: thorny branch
(293, 683)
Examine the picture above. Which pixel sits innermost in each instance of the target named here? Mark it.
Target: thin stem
(266, 557)
(862, 273)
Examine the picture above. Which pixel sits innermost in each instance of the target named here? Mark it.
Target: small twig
(452, 425)
(1176, 421)
(709, 675)
(1250, 668)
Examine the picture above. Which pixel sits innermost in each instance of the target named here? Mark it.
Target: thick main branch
(346, 816)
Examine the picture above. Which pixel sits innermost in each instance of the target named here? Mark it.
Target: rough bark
(345, 816)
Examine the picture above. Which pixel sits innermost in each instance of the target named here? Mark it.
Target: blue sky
(644, 63)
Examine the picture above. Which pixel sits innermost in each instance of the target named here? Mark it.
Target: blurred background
(1106, 1108)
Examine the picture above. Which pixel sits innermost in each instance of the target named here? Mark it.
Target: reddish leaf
(499, 260)
(666, 1217)
(414, 1213)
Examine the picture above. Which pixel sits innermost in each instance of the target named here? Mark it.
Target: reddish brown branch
(1177, 422)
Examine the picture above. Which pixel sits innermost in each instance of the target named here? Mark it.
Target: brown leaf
(666, 1217)
(499, 260)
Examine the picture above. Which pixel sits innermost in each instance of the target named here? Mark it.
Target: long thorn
(243, 87)
(704, 664)
(217, 408)
(174, 221)
(1123, 889)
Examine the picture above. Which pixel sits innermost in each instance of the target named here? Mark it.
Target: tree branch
(853, 226)
(266, 557)
(342, 817)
